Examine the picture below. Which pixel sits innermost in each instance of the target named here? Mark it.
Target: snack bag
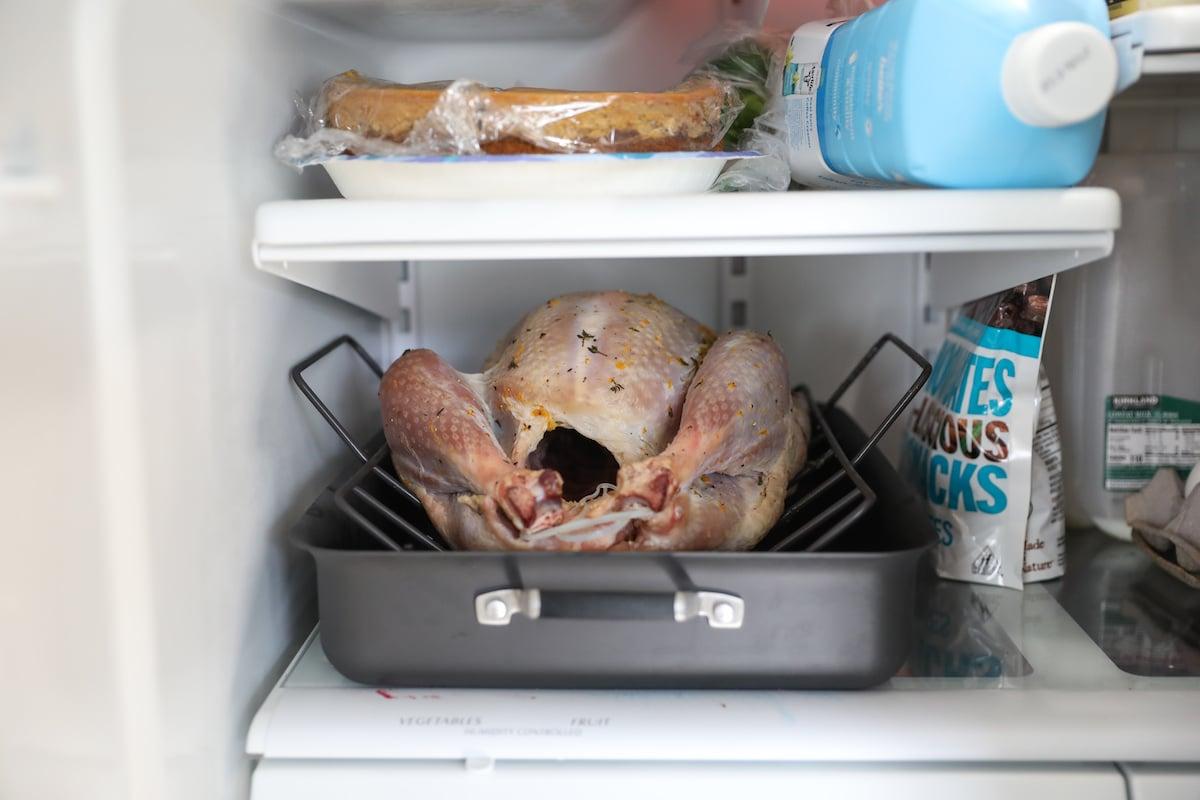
(1046, 534)
(969, 444)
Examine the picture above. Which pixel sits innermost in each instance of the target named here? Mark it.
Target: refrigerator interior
(167, 599)
(1134, 311)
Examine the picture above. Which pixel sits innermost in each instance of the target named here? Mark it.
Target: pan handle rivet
(496, 609)
(723, 613)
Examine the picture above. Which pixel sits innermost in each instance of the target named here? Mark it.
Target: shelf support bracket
(734, 293)
(955, 278)
(370, 285)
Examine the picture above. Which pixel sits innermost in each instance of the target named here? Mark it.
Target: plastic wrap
(752, 64)
(771, 172)
(355, 115)
(744, 60)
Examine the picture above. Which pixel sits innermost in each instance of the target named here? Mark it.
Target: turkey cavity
(582, 463)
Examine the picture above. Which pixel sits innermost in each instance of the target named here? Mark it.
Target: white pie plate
(526, 176)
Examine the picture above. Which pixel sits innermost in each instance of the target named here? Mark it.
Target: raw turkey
(601, 421)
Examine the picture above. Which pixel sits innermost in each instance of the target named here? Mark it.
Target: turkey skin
(602, 421)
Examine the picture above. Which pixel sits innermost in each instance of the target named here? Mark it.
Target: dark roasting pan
(824, 602)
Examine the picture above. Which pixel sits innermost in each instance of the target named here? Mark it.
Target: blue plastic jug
(952, 93)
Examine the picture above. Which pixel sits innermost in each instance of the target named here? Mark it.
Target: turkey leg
(738, 420)
(441, 436)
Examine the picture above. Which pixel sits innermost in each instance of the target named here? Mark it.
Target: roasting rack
(825, 498)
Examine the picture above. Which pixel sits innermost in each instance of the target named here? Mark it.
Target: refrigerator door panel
(160, 450)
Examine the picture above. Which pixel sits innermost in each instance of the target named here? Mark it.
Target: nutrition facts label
(1143, 433)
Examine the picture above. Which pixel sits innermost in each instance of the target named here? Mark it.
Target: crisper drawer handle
(723, 611)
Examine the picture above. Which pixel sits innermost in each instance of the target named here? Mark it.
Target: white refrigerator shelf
(1073, 705)
(1171, 39)
(978, 241)
(1161, 41)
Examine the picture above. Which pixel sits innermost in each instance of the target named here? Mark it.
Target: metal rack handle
(901, 404)
(297, 374)
(861, 498)
(861, 493)
(341, 498)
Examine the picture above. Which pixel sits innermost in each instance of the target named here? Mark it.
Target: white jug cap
(1059, 74)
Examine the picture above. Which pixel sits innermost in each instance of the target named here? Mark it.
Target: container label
(800, 83)
(802, 77)
(1145, 432)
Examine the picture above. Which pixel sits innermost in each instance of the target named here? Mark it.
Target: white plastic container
(1131, 331)
(965, 95)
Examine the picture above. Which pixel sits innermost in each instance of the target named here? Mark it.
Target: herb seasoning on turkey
(671, 446)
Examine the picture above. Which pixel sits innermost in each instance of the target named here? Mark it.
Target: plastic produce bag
(767, 174)
(355, 115)
(752, 63)
(977, 438)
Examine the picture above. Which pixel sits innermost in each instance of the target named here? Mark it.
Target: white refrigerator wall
(148, 594)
